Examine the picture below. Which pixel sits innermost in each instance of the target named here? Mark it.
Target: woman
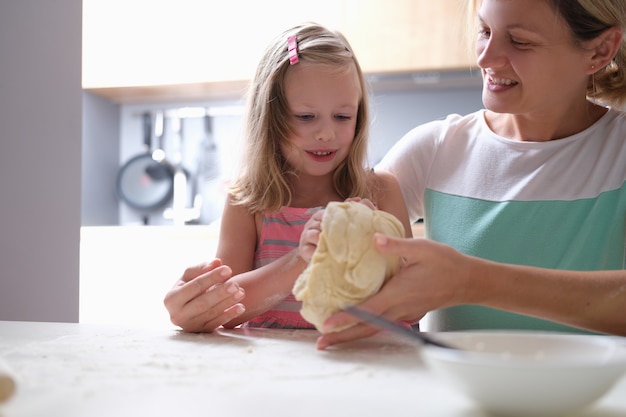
(524, 201)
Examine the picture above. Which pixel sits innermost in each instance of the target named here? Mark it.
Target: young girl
(307, 126)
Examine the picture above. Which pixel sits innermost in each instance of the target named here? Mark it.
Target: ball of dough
(346, 268)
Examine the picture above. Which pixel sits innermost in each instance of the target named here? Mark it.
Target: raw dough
(346, 268)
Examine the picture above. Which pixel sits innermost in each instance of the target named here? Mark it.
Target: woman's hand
(433, 276)
(202, 299)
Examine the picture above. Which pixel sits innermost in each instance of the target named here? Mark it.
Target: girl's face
(528, 58)
(322, 102)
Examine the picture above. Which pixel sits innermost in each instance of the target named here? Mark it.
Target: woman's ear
(605, 47)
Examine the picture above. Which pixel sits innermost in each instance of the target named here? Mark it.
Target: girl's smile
(322, 155)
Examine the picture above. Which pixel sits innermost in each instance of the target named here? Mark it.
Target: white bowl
(529, 373)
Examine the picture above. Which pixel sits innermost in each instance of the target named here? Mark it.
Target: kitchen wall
(100, 161)
(399, 103)
(40, 159)
(146, 261)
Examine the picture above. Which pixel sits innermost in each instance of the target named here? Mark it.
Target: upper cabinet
(407, 35)
(166, 50)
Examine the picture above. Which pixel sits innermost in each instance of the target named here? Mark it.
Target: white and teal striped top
(558, 204)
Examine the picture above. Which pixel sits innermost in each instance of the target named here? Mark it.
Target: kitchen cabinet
(410, 36)
(166, 50)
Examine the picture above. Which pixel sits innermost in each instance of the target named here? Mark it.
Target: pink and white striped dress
(280, 234)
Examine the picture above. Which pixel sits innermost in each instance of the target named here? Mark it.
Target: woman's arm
(593, 300)
(437, 276)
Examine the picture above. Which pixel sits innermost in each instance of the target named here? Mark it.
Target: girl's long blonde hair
(263, 183)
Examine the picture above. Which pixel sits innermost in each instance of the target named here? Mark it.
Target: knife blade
(384, 323)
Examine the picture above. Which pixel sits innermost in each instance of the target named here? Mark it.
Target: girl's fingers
(211, 309)
(204, 282)
(229, 314)
(202, 294)
(196, 270)
(189, 290)
(195, 280)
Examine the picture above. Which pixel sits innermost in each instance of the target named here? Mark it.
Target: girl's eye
(484, 34)
(304, 116)
(343, 117)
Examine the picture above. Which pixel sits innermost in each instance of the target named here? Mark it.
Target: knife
(384, 323)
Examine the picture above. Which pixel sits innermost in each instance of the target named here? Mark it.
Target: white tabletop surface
(97, 370)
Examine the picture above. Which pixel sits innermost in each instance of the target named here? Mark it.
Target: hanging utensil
(208, 182)
(180, 213)
(208, 163)
(143, 183)
(162, 170)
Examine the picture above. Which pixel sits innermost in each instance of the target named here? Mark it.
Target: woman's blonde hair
(587, 19)
(263, 183)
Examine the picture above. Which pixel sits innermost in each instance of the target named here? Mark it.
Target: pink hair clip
(292, 47)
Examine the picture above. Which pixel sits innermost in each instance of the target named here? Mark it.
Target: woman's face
(322, 103)
(528, 57)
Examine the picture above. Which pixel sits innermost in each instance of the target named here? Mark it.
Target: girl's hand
(310, 236)
(202, 299)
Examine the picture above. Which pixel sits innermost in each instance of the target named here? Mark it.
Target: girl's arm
(236, 247)
(238, 240)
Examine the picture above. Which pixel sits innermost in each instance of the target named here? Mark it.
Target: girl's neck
(313, 191)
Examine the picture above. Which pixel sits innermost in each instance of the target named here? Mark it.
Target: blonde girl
(306, 142)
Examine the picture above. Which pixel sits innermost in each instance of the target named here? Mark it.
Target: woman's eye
(484, 33)
(519, 43)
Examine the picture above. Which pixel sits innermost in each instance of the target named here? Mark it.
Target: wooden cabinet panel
(160, 50)
(413, 35)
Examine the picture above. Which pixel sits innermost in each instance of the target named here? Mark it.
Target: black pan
(143, 183)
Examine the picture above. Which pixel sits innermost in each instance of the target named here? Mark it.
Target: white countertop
(99, 370)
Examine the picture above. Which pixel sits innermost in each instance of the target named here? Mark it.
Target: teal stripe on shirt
(585, 234)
